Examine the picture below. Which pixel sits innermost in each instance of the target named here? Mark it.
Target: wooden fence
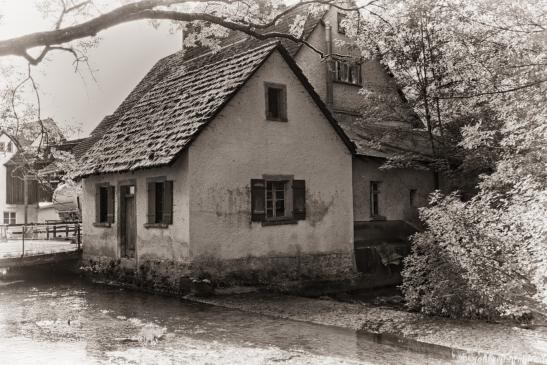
(49, 231)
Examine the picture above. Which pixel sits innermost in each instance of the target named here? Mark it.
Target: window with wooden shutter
(278, 199)
(105, 197)
(258, 200)
(160, 203)
(168, 203)
(151, 191)
(299, 199)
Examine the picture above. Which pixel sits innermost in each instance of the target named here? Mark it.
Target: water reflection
(58, 320)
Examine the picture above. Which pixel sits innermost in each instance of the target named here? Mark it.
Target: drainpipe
(329, 64)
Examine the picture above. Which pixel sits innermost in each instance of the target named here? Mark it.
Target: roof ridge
(211, 51)
(266, 45)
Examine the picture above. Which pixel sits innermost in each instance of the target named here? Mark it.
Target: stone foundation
(316, 272)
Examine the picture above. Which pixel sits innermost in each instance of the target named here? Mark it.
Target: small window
(10, 147)
(374, 198)
(278, 199)
(9, 217)
(160, 202)
(2, 146)
(340, 17)
(412, 197)
(276, 102)
(348, 72)
(104, 204)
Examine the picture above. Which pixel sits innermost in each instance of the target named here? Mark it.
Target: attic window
(340, 17)
(276, 102)
(2, 146)
(10, 147)
(348, 72)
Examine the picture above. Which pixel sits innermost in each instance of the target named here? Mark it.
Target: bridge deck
(36, 252)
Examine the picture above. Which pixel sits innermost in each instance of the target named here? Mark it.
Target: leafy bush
(433, 283)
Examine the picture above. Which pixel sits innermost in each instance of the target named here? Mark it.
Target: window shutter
(299, 199)
(97, 203)
(168, 203)
(111, 203)
(151, 215)
(258, 200)
(283, 104)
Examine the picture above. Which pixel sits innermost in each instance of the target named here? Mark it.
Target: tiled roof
(163, 66)
(29, 133)
(376, 140)
(163, 121)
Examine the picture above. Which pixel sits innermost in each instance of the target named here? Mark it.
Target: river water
(47, 319)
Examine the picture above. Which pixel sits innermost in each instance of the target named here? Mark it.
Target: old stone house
(252, 165)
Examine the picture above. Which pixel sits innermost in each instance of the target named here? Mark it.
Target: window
(104, 204)
(9, 217)
(374, 198)
(160, 202)
(412, 197)
(2, 146)
(347, 71)
(276, 102)
(276, 194)
(10, 147)
(340, 17)
(278, 199)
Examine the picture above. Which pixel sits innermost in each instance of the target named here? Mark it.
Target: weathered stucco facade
(212, 234)
(395, 189)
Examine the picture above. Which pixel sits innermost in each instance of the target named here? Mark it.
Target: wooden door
(128, 221)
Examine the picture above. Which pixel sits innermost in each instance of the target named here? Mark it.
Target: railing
(39, 238)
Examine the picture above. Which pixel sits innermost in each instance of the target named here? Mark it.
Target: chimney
(329, 63)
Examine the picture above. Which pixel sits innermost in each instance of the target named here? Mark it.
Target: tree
(452, 59)
(475, 71)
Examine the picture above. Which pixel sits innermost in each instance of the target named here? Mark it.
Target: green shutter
(111, 204)
(258, 200)
(151, 215)
(167, 202)
(299, 199)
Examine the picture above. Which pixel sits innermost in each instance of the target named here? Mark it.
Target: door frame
(121, 209)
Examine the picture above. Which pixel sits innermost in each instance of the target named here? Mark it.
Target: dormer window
(276, 102)
(340, 17)
(348, 72)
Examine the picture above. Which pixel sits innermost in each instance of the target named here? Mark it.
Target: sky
(121, 59)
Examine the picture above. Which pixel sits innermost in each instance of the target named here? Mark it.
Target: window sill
(346, 83)
(102, 224)
(378, 218)
(279, 222)
(271, 119)
(156, 225)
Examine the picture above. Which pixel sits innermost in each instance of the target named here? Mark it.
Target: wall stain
(318, 208)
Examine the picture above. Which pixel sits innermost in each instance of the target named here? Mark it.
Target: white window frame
(287, 180)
